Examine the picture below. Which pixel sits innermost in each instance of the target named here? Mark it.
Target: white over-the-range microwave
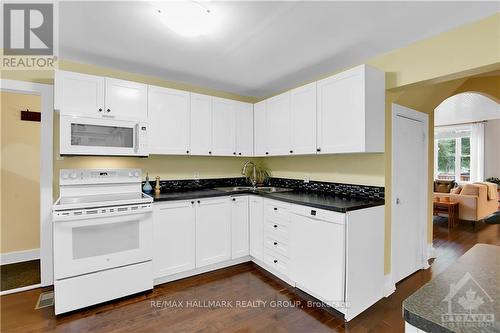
(94, 136)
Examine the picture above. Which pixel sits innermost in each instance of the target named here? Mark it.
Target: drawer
(277, 245)
(276, 229)
(276, 261)
(276, 210)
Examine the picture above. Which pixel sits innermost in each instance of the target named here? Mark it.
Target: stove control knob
(73, 175)
(64, 176)
(136, 173)
(131, 174)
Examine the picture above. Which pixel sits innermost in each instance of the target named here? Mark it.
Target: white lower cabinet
(239, 227)
(173, 237)
(213, 231)
(256, 221)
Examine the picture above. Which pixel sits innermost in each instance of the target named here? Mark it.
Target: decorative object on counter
(157, 185)
(258, 175)
(147, 188)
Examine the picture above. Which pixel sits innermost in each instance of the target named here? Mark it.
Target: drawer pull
(275, 261)
(313, 212)
(275, 243)
(275, 226)
(275, 208)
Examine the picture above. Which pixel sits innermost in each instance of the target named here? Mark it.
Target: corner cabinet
(168, 121)
(239, 227)
(351, 111)
(223, 127)
(260, 129)
(85, 95)
(244, 129)
(256, 221)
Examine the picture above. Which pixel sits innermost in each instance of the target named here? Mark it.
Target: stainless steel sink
(234, 188)
(264, 189)
(272, 189)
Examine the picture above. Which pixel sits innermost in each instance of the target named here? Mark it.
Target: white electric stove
(102, 237)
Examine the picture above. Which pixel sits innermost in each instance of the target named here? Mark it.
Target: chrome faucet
(253, 179)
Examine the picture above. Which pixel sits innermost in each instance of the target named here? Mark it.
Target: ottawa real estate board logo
(28, 36)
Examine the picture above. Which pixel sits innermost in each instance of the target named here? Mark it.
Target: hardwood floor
(242, 282)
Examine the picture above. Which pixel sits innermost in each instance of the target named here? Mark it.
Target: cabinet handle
(108, 110)
(313, 212)
(100, 110)
(275, 243)
(275, 261)
(210, 152)
(318, 149)
(275, 226)
(267, 153)
(198, 201)
(239, 153)
(187, 151)
(192, 202)
(275, 208)
(291, 151)
(234, 153)
(234, 199)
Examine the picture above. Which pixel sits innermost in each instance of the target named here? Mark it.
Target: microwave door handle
(136, 134)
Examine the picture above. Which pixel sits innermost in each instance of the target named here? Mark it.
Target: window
(452, 153)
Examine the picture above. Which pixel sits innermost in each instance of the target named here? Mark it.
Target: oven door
(101, 242)
(89, 136)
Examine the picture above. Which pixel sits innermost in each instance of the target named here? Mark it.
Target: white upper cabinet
(244, 129)
(95, 96)
(303, 119)
(239, 227)
(79, 94)
(351, 109)
(260, 129)
(223, 127)
(168, 121)
(278, 125)
(126, 99)
(201, 124)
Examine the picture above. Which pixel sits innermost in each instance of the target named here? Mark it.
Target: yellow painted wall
(20, 175)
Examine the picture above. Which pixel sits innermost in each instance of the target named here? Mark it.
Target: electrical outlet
(307, 179)
(196, 175)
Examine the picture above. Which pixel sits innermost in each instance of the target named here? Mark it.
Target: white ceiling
(466, 108)
(263, 47)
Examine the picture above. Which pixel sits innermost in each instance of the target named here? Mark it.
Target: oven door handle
(88, 220)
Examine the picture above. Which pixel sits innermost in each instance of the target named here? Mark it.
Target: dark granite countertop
(463, 298)
(326, 201)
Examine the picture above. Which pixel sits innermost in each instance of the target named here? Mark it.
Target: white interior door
(409, 191)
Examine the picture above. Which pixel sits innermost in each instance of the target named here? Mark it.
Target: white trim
(19, 256)
(398, 110)
(46, 164)
(18, 290)
(389, 286)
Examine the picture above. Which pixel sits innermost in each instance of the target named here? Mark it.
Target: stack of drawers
(277, 235)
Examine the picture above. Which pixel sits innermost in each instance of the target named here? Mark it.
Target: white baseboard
(19, 256)
(18, 290)
(389, 286)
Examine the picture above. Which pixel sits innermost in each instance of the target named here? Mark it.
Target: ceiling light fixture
(187, 18)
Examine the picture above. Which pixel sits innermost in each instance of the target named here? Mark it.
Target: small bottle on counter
(147, 188)
(157, 186)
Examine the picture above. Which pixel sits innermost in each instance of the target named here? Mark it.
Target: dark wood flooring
(242, 282)
(19, 275)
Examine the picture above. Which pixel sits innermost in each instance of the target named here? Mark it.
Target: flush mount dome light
(187, 18)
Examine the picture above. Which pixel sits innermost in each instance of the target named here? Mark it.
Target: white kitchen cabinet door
(201, 124)
(239, 227)
(278, 125)
(351, 111)
(256, 221)
(303, 119)
(169, 115)
(317, 255)
(213, 231)
(260, 129)
(79, 94)
(173, 238)
(126, 99)
(223, 127)
(244, 129)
